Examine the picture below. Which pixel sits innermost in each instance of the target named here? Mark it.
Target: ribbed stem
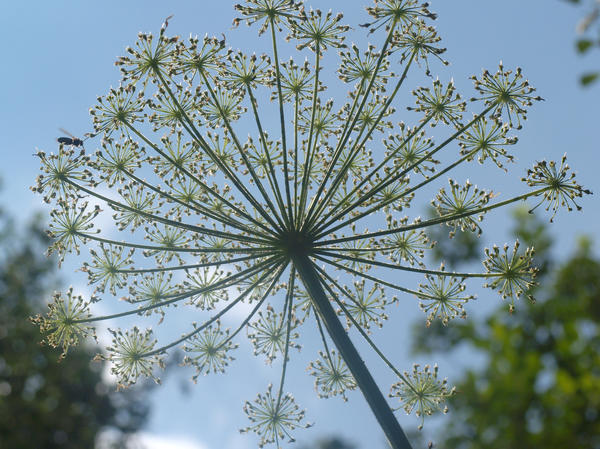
(376, 400)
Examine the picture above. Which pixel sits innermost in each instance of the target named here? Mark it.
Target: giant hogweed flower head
(299, 222)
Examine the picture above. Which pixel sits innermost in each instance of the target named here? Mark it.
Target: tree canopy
(589, 35)
(44, 404)
(540, 386)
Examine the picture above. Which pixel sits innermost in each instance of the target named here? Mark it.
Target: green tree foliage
(540, 386)
(588, 40)
(44, 404)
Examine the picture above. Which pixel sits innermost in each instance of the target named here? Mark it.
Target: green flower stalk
(304, 221)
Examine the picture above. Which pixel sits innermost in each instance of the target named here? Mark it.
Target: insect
(71, 139)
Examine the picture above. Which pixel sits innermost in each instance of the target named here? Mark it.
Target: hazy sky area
(58, 57)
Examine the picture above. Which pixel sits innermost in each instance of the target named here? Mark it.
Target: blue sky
(58, 57)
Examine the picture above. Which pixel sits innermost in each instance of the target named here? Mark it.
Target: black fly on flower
(206, 196)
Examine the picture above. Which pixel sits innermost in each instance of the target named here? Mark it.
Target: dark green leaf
(584, 45)
(589, 78)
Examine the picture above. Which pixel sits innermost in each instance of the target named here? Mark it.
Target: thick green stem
(376, 400)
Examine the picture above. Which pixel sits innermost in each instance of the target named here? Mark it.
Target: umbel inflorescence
(232, 178)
